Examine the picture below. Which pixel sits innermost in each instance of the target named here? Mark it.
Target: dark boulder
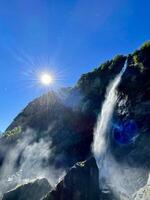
(81, 183)
(30, 191)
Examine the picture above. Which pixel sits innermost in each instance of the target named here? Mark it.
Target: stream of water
(101, 138)
(101, 132)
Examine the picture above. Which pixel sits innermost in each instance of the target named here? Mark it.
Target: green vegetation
(13, 132)
(137, 62)
(105, 65)
(135, 59)
(140, 57)
(116, 61)
(145, 45)
(117, 58)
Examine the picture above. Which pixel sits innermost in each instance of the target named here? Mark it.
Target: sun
(46, 79)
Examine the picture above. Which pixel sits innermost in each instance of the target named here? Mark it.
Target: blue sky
(66, 37)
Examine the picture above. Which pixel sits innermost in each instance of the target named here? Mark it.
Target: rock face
(52, 120)
(30, 191)
(81, 183)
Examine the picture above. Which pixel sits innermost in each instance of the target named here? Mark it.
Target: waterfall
(100, 133)
(101, 136)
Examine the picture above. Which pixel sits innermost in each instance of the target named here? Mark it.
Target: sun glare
(46, 79)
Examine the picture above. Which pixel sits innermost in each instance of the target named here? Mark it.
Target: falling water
(101, 137)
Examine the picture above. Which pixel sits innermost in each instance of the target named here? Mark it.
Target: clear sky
(66, 37)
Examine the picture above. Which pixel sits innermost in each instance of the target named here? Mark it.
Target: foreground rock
(30, 191)
(80, 183)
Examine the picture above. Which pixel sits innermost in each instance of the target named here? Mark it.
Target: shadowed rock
(80, 183)
(30, 191)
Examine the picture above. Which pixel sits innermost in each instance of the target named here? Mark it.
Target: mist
(32, 157)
